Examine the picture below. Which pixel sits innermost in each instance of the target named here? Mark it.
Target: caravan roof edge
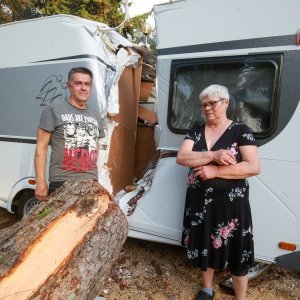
(63, 17)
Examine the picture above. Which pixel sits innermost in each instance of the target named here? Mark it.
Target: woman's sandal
(205, 296)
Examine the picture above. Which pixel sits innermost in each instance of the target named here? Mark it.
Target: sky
(142, 6)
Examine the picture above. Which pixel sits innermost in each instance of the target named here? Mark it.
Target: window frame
(275, 59)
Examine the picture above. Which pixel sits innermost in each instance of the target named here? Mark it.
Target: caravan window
(251, 84)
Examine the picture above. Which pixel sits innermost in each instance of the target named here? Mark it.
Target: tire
(26, 203)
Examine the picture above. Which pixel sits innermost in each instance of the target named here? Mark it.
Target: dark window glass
(251, 86)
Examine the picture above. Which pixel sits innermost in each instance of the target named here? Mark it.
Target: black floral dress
(217, 220)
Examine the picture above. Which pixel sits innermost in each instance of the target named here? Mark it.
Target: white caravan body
(251, 47)
(240, 44)
(35, 58)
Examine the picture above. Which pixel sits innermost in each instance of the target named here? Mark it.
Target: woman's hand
(205, 172)
(249, 166)
(224, 157)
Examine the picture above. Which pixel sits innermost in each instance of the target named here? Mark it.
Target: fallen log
(65, 248)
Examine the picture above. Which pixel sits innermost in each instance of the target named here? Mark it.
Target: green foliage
(52, 7)
(132, 28)
(16, 10)
(105, 11)
(110, 12)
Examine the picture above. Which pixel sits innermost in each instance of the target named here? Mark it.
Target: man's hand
(41, 191)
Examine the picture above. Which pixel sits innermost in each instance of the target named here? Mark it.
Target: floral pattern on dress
(237, 192)
(249, 136)
(207, 199)
(197, 138)
(234, 149)
(216, 208)
(192, 254)
(201, 215)
(247, 231)
(246, 255)
(193, 181)
(186, 233)
(222, 233)
(188, 211)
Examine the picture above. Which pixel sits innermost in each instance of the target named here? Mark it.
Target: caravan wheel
(26, 203)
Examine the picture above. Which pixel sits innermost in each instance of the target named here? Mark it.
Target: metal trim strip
(273, 41)
(78, 57)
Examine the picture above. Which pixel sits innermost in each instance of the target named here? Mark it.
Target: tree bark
(65, 248)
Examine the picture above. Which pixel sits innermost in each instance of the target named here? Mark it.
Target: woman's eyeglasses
(210, 104)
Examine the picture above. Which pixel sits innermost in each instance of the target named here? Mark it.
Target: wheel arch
(17, 191)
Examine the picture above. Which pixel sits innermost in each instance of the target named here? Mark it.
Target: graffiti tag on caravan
(53, 89)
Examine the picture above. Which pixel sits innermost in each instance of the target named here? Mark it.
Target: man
(70, 159)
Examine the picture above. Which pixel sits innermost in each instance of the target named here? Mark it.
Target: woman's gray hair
(217, 90)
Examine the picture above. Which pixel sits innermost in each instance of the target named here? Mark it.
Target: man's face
(80, 86)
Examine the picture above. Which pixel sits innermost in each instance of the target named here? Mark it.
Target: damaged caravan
(251, 47)
(34, 64)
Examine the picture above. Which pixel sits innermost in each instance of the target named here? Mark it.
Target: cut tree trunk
(65, 248)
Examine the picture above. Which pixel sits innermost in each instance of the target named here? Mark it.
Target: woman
(217, 224)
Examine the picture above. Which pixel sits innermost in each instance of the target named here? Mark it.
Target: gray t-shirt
(74, 141)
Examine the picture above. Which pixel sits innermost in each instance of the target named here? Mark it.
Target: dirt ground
(152, 271)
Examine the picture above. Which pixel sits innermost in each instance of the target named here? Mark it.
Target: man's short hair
(81, 70)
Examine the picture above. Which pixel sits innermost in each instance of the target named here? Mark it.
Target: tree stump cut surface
(65, 248)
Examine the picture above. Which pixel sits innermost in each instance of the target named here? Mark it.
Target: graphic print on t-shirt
(81, 134)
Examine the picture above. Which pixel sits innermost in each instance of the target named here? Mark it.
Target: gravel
(147, 270)
(153, 271)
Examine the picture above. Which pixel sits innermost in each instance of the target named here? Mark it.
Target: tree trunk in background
(65, 248)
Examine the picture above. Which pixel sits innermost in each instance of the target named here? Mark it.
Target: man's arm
(40, 160)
